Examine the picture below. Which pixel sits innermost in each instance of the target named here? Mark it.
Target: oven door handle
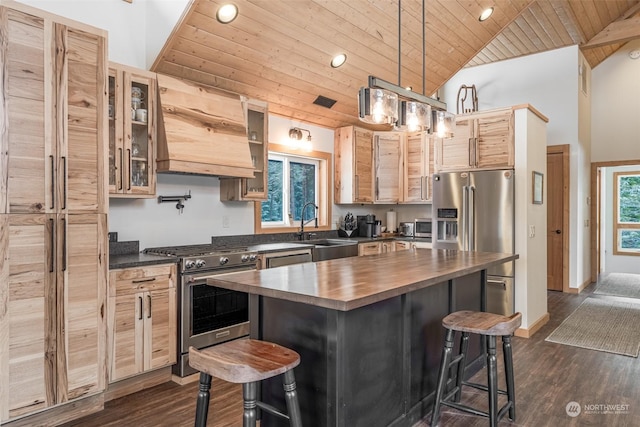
(202, 277)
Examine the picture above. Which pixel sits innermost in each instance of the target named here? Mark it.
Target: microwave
(422, 227)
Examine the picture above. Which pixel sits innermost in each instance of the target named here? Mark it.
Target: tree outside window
(292, 182)
(627, 216)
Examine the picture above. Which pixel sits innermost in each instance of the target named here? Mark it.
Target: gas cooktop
(194, 250)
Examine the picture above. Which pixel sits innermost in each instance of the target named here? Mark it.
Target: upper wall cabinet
(252, 189)
(353, 159)
(52, 154)
(387, 154)
(132, 132)
(482, 140)
(418, 167)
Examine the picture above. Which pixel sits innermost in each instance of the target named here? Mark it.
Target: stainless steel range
(208, 315)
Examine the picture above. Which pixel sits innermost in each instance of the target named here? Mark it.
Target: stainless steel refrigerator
(474, 211)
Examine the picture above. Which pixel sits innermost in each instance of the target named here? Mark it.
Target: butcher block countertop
(349, 283)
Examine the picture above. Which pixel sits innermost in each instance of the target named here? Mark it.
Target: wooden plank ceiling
(279, 51)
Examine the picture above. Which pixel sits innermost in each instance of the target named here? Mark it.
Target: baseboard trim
(579, 288)
(137, 383)
(535, 327)
(186, 380)
(62, 413)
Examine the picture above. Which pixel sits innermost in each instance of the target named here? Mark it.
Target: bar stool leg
(249, 396)
(492, 379)
(202, 405)
(508, 370)
(442, 376)
(464, 346)
(291, 396)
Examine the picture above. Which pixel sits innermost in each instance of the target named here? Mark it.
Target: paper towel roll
(392, 225)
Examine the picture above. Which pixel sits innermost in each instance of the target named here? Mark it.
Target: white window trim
(618, 226)
(324, 193)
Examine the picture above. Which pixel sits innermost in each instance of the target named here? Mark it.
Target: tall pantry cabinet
(53, 210)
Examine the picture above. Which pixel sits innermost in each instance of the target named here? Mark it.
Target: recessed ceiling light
(485, 14)
(338, 60)
(227, 13)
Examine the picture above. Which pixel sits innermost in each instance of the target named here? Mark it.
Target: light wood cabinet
(142, 320)
(387, 148)
(401, 246)
(369, 248)
(418, 167)
(132, 132)
(54, 323)
(53, 255)
(374, 248)
(482, 140)
(252, 189)
(353, 160)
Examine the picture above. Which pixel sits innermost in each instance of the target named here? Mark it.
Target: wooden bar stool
(489, 325)
(247, 362)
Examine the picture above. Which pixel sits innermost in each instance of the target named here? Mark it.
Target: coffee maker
(366, 225)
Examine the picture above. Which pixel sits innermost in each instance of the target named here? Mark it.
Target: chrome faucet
(302, 223)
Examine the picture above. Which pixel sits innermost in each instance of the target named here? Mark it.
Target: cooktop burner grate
(193, 250)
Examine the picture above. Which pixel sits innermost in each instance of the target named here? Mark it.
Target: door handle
(53, 182)
(149, 315)
(121, 168)
(558, 231)
(141, 308)
(64, 182)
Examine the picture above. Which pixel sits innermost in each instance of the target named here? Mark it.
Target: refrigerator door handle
(502, 283)
(471, 217)
(465, 218)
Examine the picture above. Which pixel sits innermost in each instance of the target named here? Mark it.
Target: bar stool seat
(490, 326)
(246, 362)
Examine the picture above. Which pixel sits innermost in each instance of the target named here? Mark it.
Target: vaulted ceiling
(279, 51)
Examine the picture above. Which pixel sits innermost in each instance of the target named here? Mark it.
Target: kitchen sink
(324, 249)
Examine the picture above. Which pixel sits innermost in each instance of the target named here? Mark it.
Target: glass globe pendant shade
(445, 124)
(377, 106)
(414, 116)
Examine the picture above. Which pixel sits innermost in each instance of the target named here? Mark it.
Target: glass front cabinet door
(252, 189)
(132, 132)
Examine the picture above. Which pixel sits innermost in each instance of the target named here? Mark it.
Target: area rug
(620, 284)
(602, 324)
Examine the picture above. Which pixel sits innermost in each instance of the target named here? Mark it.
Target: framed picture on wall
(538, 178)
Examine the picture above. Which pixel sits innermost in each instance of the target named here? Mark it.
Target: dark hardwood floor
(548, 376)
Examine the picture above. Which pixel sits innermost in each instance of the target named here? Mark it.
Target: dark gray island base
(368, 330)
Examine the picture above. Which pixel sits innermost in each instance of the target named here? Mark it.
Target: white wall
(531, 267)
(548, 81)
(614, 263)
(137, 30)
(615, 127)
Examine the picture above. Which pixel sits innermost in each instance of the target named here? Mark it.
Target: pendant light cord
(399, 41)
(424, 50)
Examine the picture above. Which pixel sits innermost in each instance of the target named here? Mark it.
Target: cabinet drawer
(141, 278)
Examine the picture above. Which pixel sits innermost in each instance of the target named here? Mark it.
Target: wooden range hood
(201, 130)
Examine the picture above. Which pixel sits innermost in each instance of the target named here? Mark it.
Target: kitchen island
(368, 329)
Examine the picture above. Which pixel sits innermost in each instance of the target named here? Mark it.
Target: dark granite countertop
(127, 254)
(138, 260)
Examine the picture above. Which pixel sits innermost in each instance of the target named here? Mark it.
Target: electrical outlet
(113, 236)
(586, 222)
(225, 221)
(532, 231)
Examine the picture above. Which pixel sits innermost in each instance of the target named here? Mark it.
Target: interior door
(555, 229)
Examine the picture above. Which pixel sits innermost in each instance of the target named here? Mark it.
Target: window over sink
(294, 178)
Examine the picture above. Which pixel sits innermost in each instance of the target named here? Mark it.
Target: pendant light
(414, 116)
(377, 106)
(386, 103)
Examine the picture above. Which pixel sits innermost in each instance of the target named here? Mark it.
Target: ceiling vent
(323, 101)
